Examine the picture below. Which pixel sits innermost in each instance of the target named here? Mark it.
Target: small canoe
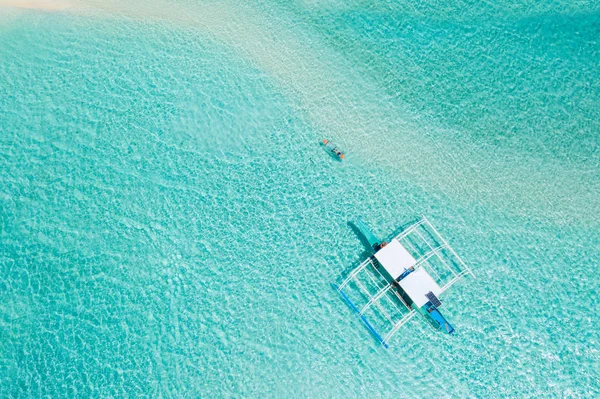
(333, 149)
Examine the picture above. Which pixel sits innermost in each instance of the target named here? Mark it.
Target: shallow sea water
(170, 226)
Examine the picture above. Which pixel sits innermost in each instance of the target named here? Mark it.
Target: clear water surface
(170, 227)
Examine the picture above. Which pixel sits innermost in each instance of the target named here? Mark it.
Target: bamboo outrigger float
(402, 278)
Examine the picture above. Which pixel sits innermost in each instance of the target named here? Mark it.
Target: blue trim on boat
(363, 318)
(406, 273)
(443, 324)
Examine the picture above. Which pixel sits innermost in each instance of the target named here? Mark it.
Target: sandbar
(51, 5)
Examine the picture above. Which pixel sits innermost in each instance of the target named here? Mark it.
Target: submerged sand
(37, 4)
(311, 75)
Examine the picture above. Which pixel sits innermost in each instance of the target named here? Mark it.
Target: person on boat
(380, 246)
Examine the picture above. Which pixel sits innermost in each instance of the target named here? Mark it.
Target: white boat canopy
(418, 284)
(395, 259)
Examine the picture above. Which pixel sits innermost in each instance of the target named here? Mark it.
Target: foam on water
(170, 225)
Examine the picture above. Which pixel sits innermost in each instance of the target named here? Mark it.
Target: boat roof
(395, 259)
(418, 284)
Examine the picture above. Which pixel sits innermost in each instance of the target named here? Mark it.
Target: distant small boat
(333, 149)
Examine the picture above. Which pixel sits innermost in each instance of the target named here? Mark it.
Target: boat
(402, 277)
(333, 150)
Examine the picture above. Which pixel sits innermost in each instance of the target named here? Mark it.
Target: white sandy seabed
(37, 4)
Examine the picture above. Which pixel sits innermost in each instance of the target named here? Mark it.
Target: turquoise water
(170, 226)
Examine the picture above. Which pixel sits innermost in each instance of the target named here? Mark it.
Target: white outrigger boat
(403, 277)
